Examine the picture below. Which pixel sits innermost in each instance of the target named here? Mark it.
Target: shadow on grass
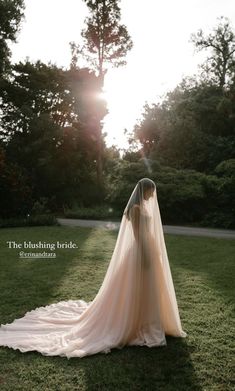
(28, 283)
(143, 368)
(166, 368)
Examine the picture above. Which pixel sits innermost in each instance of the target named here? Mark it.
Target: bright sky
(161, 55)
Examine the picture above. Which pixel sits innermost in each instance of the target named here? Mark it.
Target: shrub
(95, 212)
(29, 221)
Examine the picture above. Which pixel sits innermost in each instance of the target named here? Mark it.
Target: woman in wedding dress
(135, 305)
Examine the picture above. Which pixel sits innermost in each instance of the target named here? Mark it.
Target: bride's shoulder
(135, 210)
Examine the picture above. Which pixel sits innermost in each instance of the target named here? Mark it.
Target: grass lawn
(203, 274)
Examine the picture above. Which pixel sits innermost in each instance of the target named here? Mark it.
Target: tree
(15, 188)
(11, 13)
(221, 64)
(148, 130)
(85, 88)
(193, 128)
(47, 116)
(105, 41)
(36, 106)
(31, 90)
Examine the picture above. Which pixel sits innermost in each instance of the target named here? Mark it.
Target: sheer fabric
(135, 305)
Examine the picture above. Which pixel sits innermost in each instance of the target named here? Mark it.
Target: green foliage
(194, 126)
(190, 129)
(35, 92)
(122, 180)
(11, 14)
(99, 212)
(48, 132)
(226, 168)
(224, 215)
(28, 221)
(184, 196)
(219, 218)
(40, 207)
(15, 188)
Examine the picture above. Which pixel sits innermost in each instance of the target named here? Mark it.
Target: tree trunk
(99, 166)
(99, 140)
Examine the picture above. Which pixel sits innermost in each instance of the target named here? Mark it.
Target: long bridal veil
(135, 305)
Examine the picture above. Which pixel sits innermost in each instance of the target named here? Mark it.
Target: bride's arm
(135, 220)
(139, 236)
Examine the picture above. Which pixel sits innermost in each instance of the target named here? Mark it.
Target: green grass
(203, 274)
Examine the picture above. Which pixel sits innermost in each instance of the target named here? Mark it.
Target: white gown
(135, 305)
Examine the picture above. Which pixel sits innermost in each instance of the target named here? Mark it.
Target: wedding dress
(135, 305)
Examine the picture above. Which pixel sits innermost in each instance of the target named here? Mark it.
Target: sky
(161, 56)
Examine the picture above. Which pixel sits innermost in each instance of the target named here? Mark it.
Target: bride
(135, 305)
